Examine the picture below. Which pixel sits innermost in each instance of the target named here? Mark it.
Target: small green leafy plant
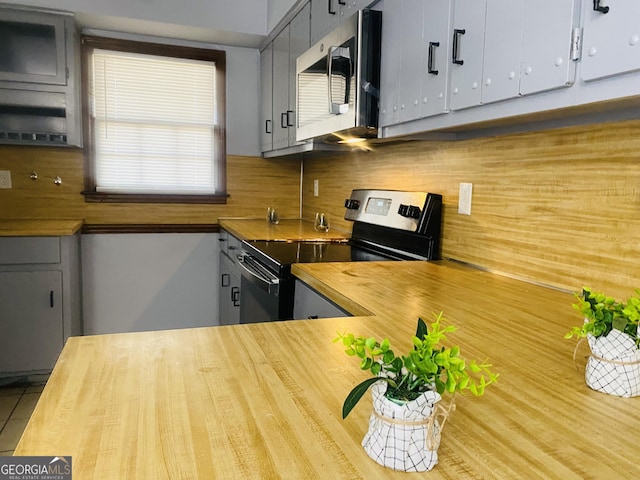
(428, 366)
(603, 314)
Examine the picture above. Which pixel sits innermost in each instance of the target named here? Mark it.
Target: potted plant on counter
(611, 328)
(405, 425)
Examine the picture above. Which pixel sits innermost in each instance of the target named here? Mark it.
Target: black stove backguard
(423, 243)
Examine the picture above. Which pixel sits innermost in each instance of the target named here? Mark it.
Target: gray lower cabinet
(229, 291)
(40, 305)
(31, 313)
(229, 281)
(309, 304)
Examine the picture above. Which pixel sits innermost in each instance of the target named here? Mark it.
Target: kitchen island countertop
(264, 400)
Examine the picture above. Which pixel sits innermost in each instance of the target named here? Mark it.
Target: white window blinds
(154, 124)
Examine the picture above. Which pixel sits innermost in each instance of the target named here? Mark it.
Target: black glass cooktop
(287, 253)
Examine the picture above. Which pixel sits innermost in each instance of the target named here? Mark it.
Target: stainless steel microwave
(338, 81)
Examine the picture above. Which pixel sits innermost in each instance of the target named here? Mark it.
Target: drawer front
(27, 250)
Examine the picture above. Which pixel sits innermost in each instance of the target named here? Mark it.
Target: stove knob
(350, 204)
(414, 212)
(403, 210)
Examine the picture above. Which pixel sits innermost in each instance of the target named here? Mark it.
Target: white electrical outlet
(464, 198)
(5, 178)
(315, 187)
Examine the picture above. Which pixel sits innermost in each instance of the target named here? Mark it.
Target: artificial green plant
(428, 366)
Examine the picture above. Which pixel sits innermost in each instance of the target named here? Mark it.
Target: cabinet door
(546, 46)
(436, 51)
(324, 18)
(411, 64)
(390, 60)
(266, 96)
(281, 115)
(31, 333)
(467, 53)
(33, 47)
(502, 50)
(350, 7)
(298, 44)
(611, 40)
(229, 289)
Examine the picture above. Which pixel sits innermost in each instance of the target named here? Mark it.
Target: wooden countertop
(39, 228)
(287, 229)
(264, 400)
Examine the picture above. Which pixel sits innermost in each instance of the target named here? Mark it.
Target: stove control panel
(389, 208)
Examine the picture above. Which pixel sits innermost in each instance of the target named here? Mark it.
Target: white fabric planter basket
(403, 437)
(614, 365)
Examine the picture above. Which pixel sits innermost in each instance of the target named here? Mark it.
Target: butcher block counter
(264, 400)
(39, 228)
(287, 229)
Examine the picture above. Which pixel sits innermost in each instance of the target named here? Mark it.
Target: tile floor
(17, 402)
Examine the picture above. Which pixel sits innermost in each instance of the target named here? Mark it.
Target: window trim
(91, 42)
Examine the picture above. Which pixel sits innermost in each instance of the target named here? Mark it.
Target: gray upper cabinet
(390, 61)
(280, 83)
(502, 50)
(549, 49)
(467, 53)
(39, 78)
(436, 51)
(281, 112)
(325, 16)
(266, 97)
(415, 60)
(611, 38)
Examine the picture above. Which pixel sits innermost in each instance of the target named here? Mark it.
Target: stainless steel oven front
(266, 296)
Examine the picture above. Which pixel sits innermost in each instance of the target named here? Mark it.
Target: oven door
(265, 297)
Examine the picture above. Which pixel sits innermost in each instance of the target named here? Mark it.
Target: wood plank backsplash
(559, 207)
(253, 184)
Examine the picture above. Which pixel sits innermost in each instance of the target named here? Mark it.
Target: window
(154, 122)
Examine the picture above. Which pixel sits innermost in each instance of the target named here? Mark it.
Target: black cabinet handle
(598, 8)
(267, 126)
(289, 115)
(235, 296)
(456, 45)
(225, 279)
(330, 7)
(51, 299)
(283, 119)
(432, 54)
(342, 2)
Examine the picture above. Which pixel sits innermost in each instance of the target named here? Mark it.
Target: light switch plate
(464, 198)
(5, 178)
(315, 188)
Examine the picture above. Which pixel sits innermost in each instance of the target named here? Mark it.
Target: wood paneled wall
(559, 207)
(253, 184)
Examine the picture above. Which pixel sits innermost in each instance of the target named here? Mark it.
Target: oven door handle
(269, 285)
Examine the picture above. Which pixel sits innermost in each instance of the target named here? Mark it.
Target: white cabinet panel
(390, 63)
(281, 89)
(436, 52)
(31, 325)
(546, 54)
(324, 18)
(502, 50)
(266, 97)
(467, 56)
(298, 44)
(611, 41)
(411, 61)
